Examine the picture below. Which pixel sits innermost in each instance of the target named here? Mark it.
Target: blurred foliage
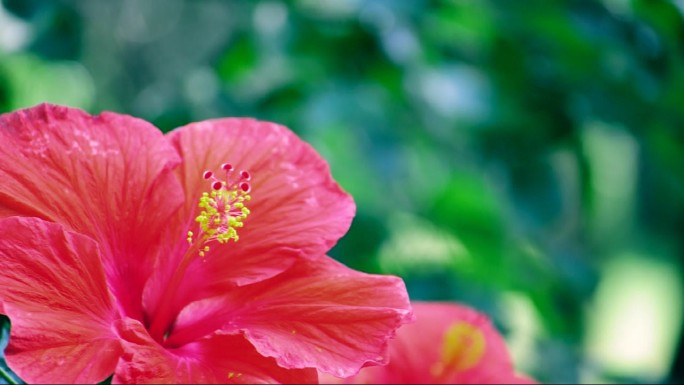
(6, 376)
(501, 153)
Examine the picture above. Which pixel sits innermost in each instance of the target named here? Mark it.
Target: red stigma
(229, 184)
(244, 186)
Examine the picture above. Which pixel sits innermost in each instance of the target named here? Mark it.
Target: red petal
(317, 314)
(442, 347)
(54, 292)
(105, 176)
(217, 359)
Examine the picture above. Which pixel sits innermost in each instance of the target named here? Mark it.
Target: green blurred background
(522, 157)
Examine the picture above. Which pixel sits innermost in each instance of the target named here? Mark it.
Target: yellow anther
(222, 212)
(233, 374)
(463, 347)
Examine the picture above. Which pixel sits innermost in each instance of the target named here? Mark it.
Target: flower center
(222, 213)
(463, 347)
(223, 209)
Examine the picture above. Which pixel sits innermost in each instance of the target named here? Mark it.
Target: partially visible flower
(447, 344)
(153, 258)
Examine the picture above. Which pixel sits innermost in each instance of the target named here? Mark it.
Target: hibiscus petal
(297, 210)
(216, 359)
(106, 176)
(317, 314)
(296, 207)
(448, 344)
(53, 289)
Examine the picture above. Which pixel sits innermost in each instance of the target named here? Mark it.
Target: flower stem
(4, 374)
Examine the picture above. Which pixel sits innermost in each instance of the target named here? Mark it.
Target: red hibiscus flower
(448, 344)
(152, 258)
